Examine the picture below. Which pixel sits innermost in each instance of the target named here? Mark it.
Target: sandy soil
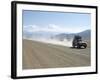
(38, 55)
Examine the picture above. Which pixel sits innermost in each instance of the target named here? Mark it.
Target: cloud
(34, 28)
(52, 28)
(30, 28)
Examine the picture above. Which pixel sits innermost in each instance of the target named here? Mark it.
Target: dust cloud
(65, 42)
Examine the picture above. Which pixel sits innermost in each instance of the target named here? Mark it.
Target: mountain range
(84, 34)
(54, 35)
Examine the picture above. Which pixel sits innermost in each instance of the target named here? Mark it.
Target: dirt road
(42, 55)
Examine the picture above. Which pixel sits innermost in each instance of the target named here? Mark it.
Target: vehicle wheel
(85, 45)
(73, 46)
(78, 46)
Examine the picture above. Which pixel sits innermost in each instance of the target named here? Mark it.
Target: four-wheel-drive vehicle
(78, 43)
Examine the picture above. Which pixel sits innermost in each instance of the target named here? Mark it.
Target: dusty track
(42, 55)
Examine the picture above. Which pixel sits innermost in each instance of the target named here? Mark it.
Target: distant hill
(58, 36)
(84, 34)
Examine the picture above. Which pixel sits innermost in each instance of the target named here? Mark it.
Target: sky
(55, 21)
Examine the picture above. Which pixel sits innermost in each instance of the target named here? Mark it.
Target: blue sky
(55, 21)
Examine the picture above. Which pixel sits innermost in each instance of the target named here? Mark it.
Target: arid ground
(37, 55)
